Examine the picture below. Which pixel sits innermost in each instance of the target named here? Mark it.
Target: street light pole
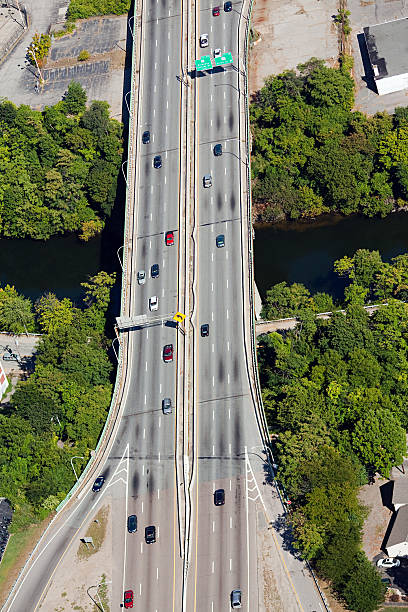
(72, 465)
(97, 587)
(114, 350)
(117, 253)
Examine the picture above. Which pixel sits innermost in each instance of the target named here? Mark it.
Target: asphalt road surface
(225, 554)
(140, 471)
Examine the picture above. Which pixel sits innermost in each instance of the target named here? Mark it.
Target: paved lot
(291, 33)
(367, 13)
(16, 82)
(102, 75)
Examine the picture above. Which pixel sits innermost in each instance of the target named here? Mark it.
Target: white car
(204, 40)
(217, 52)
(141, 277)
(154, 302)
(388, 562)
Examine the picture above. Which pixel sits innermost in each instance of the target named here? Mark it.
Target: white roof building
(387, 46)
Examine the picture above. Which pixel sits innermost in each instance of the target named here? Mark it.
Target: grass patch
(16, 553)
(96, 531)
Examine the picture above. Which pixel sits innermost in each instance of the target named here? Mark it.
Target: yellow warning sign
(179, 317)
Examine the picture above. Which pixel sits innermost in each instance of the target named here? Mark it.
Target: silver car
(141, 277)
(154, 303)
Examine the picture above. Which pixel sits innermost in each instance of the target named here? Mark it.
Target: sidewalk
(288, 583)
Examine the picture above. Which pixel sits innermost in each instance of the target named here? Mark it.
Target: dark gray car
(132, 523)
(166, 405)
(236, 599)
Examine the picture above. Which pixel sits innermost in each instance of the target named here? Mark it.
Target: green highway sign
(204, 63)
(225, 58)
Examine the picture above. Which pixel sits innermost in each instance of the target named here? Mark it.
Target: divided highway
(211, 438)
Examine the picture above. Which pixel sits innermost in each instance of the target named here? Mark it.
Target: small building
(400, 493)
(397, 545)
(387, 46)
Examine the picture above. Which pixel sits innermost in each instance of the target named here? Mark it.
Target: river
(58, 265)
(305, 252)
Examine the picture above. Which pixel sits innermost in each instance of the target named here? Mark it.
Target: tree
(323, 302)
(98, 290)
(38, 49)
(16, 313)
(30, 403)
(379, 440)
(363, 591)
(75, 98)
(355, 294)
(53, 313)
(328, 87)
(96, 118)
(284, 301)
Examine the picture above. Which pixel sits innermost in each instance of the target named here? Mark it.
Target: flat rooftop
(387, 45)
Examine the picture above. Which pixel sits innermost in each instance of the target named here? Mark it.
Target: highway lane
(145, 439)
(225, 550)
(153, 571)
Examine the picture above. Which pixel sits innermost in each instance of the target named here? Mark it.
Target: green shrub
(83, 56)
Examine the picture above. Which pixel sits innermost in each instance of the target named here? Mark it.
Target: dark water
(305, 253)
(58, 265)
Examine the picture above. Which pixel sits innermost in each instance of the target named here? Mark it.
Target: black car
(150, 534)
(154, 271)
(146, 137)
(228, 6)
(218, 150)
(98, 484)
(219, 497)
(157, 162)
(205, 330)
(132, 523)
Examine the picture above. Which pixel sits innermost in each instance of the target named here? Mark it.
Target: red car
(169, 238)
(128, 599)
(216, 11)
(168, 353)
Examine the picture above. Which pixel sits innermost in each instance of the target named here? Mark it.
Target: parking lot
(291, 33)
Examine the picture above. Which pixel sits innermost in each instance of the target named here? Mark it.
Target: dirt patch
(334, 604)
(96, 531)
(116, 58)
(308, 22)
(89, 580)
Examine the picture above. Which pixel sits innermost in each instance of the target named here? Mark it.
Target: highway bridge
(165, 468)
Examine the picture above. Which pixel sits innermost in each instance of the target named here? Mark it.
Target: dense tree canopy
(60, 410)
(58, 168)
(336, 395)
(311, 154)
